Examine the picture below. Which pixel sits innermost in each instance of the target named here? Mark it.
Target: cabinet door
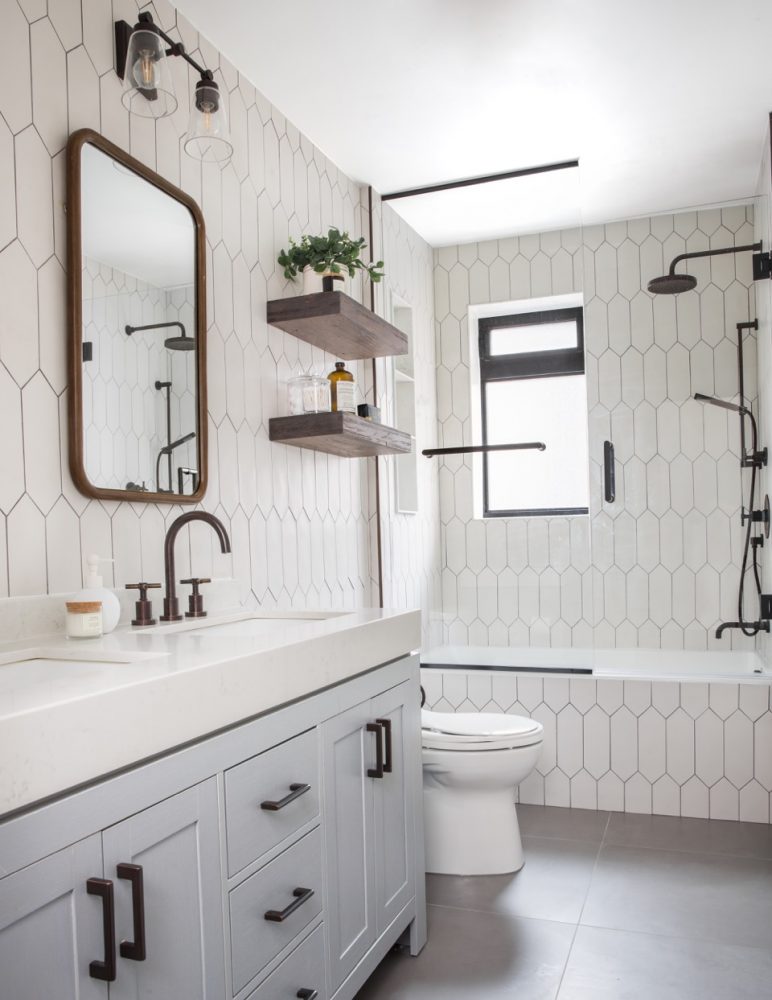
(348, 752)
(176, 843)
(51, 929)
(394, 852)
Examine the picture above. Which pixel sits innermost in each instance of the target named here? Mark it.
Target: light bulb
(144, 70)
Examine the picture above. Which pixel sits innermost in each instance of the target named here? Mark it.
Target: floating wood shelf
(338, 324)
(339, 434)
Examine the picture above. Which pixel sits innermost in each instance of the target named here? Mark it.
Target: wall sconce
(141, 61)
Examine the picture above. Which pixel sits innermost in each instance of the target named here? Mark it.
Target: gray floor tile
(618, 965)
(552, 885)
(477, 955)
(702, 896)
(671, 833)
(563, 824)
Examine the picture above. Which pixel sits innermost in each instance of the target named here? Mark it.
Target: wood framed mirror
(137, 329)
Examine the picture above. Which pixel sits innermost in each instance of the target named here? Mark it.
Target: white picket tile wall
(300, 522)
(660, 566)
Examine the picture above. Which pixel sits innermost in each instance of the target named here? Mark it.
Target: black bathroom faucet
(171, 602)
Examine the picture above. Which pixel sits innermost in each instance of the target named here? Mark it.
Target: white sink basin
(244, 624)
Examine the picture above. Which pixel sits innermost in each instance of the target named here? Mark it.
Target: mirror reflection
(139, 332)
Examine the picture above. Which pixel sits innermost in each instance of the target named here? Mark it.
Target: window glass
(524, 338)
(552, 410)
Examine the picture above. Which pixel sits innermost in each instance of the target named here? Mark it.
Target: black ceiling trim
(486, 179)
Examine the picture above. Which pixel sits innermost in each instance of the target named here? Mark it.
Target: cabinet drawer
(302, 970)
(255, 940)
(252, 830)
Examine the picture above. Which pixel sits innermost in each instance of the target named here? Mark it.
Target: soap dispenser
(96, 591)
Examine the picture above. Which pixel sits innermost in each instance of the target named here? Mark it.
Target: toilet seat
(478, 731)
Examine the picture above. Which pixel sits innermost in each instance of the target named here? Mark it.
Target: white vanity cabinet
(51, 929)
(131, 912)
(169, 932)
(370, 852)
(284, 855)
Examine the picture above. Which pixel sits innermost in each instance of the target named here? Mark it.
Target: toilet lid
(481, 725)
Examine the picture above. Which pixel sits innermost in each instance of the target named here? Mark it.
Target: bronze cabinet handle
(104, 970)
(135, 950)
(296, 790)
(377, 771)
(386, 723)
(307, 994)
(279, 916)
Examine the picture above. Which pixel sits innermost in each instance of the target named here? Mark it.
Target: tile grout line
(584, 903)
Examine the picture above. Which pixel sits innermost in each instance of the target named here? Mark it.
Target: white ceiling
(664, 102)
(132, 225)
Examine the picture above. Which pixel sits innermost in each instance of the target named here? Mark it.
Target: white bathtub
(645, 664)
(679, 733)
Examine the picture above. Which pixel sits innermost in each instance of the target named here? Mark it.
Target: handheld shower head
(723, 403)
(169, 448)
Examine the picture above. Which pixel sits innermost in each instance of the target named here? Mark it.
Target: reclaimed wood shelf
(343, 434)
(338, 324)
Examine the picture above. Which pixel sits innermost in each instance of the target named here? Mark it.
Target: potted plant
(317, 257)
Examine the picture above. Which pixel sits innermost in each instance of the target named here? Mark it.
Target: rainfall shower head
(182, 342)
(672, 283)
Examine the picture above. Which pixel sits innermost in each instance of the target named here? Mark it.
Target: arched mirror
(137, 329)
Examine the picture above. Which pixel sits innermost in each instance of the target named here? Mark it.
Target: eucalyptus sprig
(334, 253)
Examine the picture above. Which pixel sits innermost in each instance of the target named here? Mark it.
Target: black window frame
(526, 365)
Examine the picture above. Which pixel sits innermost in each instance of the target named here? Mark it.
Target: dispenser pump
(93, 576)
(95, 590)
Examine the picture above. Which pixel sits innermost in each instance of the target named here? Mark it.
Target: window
(533, 388)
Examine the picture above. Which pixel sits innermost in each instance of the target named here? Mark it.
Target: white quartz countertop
(64, 722)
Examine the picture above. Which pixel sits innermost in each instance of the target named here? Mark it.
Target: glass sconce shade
(208, 137)
(148, 90)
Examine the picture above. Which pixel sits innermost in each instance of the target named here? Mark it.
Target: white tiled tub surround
(660, 566)
(299, 522)
(688, 748)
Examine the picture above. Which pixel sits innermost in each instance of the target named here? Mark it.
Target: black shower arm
(478, 449)
(754, 247)
(154, 326)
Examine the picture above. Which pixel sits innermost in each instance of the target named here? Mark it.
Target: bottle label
(344, 397)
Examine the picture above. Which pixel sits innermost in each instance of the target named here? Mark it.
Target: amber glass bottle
(342, 389)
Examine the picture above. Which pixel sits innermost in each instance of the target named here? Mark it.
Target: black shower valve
(757, 516)
(762, 266)
(766, 607)
(755, 459)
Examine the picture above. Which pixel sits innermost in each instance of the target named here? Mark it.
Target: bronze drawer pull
(105, 970)
(296, 790)
(377, 729)
(386, 723)
(301, 896)
(307, 994)
(135, 950)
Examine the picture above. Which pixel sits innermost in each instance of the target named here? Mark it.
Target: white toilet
(472, 763)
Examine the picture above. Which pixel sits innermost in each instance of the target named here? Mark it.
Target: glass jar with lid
(308, 393)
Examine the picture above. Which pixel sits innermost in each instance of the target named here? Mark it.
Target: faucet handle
(143, 607)
(196, 600)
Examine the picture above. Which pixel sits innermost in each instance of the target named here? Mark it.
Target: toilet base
(469, 837)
